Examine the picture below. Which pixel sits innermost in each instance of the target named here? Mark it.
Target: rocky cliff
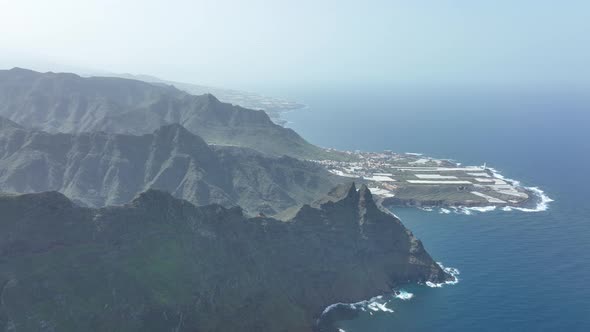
(98, 169)
(162, 264)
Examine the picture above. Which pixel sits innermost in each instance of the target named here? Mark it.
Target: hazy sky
(300, 42)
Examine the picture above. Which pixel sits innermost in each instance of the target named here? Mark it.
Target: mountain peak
(6, 123)
(340, 192)
(129, 106)
(21, 70)
(153, 197)
(212, 98)
(53, 200)
(176, 136)
(365, 196)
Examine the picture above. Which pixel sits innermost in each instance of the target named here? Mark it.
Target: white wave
(470, 210)
(542, 205)
(330, 307)
(464, 210)
(403, 295)
(414, 153)
(544, 200)
(375, 304)
(388, 210)
(483, 208)
(497, 174)
(450, 270)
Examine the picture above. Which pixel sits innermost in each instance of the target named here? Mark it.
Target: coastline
(416, 180)
(381, 303)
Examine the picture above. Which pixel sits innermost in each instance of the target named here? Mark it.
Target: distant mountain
(274, 107)
(71, 104)
(98, 169)
(162, 264)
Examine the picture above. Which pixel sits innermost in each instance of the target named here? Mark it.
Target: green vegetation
(69, 103)
(162, 264)
(97, 169)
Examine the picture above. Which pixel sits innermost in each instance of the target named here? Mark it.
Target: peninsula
(411, 179)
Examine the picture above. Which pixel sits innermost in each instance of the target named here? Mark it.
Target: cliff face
(98, 169)
(68, 103)
(160, 263)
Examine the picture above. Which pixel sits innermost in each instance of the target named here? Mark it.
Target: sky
(249, 44)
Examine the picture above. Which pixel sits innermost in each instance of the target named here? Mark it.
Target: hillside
(274, 107)
(98, 169)
(68, 103)
(162, 264)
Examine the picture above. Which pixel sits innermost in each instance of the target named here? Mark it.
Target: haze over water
(519, 271)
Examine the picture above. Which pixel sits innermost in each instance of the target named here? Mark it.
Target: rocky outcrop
(98, 169)
(68, 103)
(160, 264)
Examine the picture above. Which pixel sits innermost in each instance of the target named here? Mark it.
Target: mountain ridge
(64, 102)
(171, 265)
(100, 168)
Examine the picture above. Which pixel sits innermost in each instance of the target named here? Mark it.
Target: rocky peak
(6, 124)
(153, 198)
(347, 195)
(175, 136)
(171, 130)
(344, 191)
(353, 210)
(211, 98)
(366, 198)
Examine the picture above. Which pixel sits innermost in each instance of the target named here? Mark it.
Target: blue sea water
(519, 271)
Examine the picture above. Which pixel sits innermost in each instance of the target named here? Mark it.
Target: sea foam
(470, 210)
(377, 303)
(450, 270)
(403, 295)
(377, 306)
(542, 204)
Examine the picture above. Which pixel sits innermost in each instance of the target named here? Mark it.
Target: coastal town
(411, 179)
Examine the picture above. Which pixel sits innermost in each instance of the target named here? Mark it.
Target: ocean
(519, 271)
